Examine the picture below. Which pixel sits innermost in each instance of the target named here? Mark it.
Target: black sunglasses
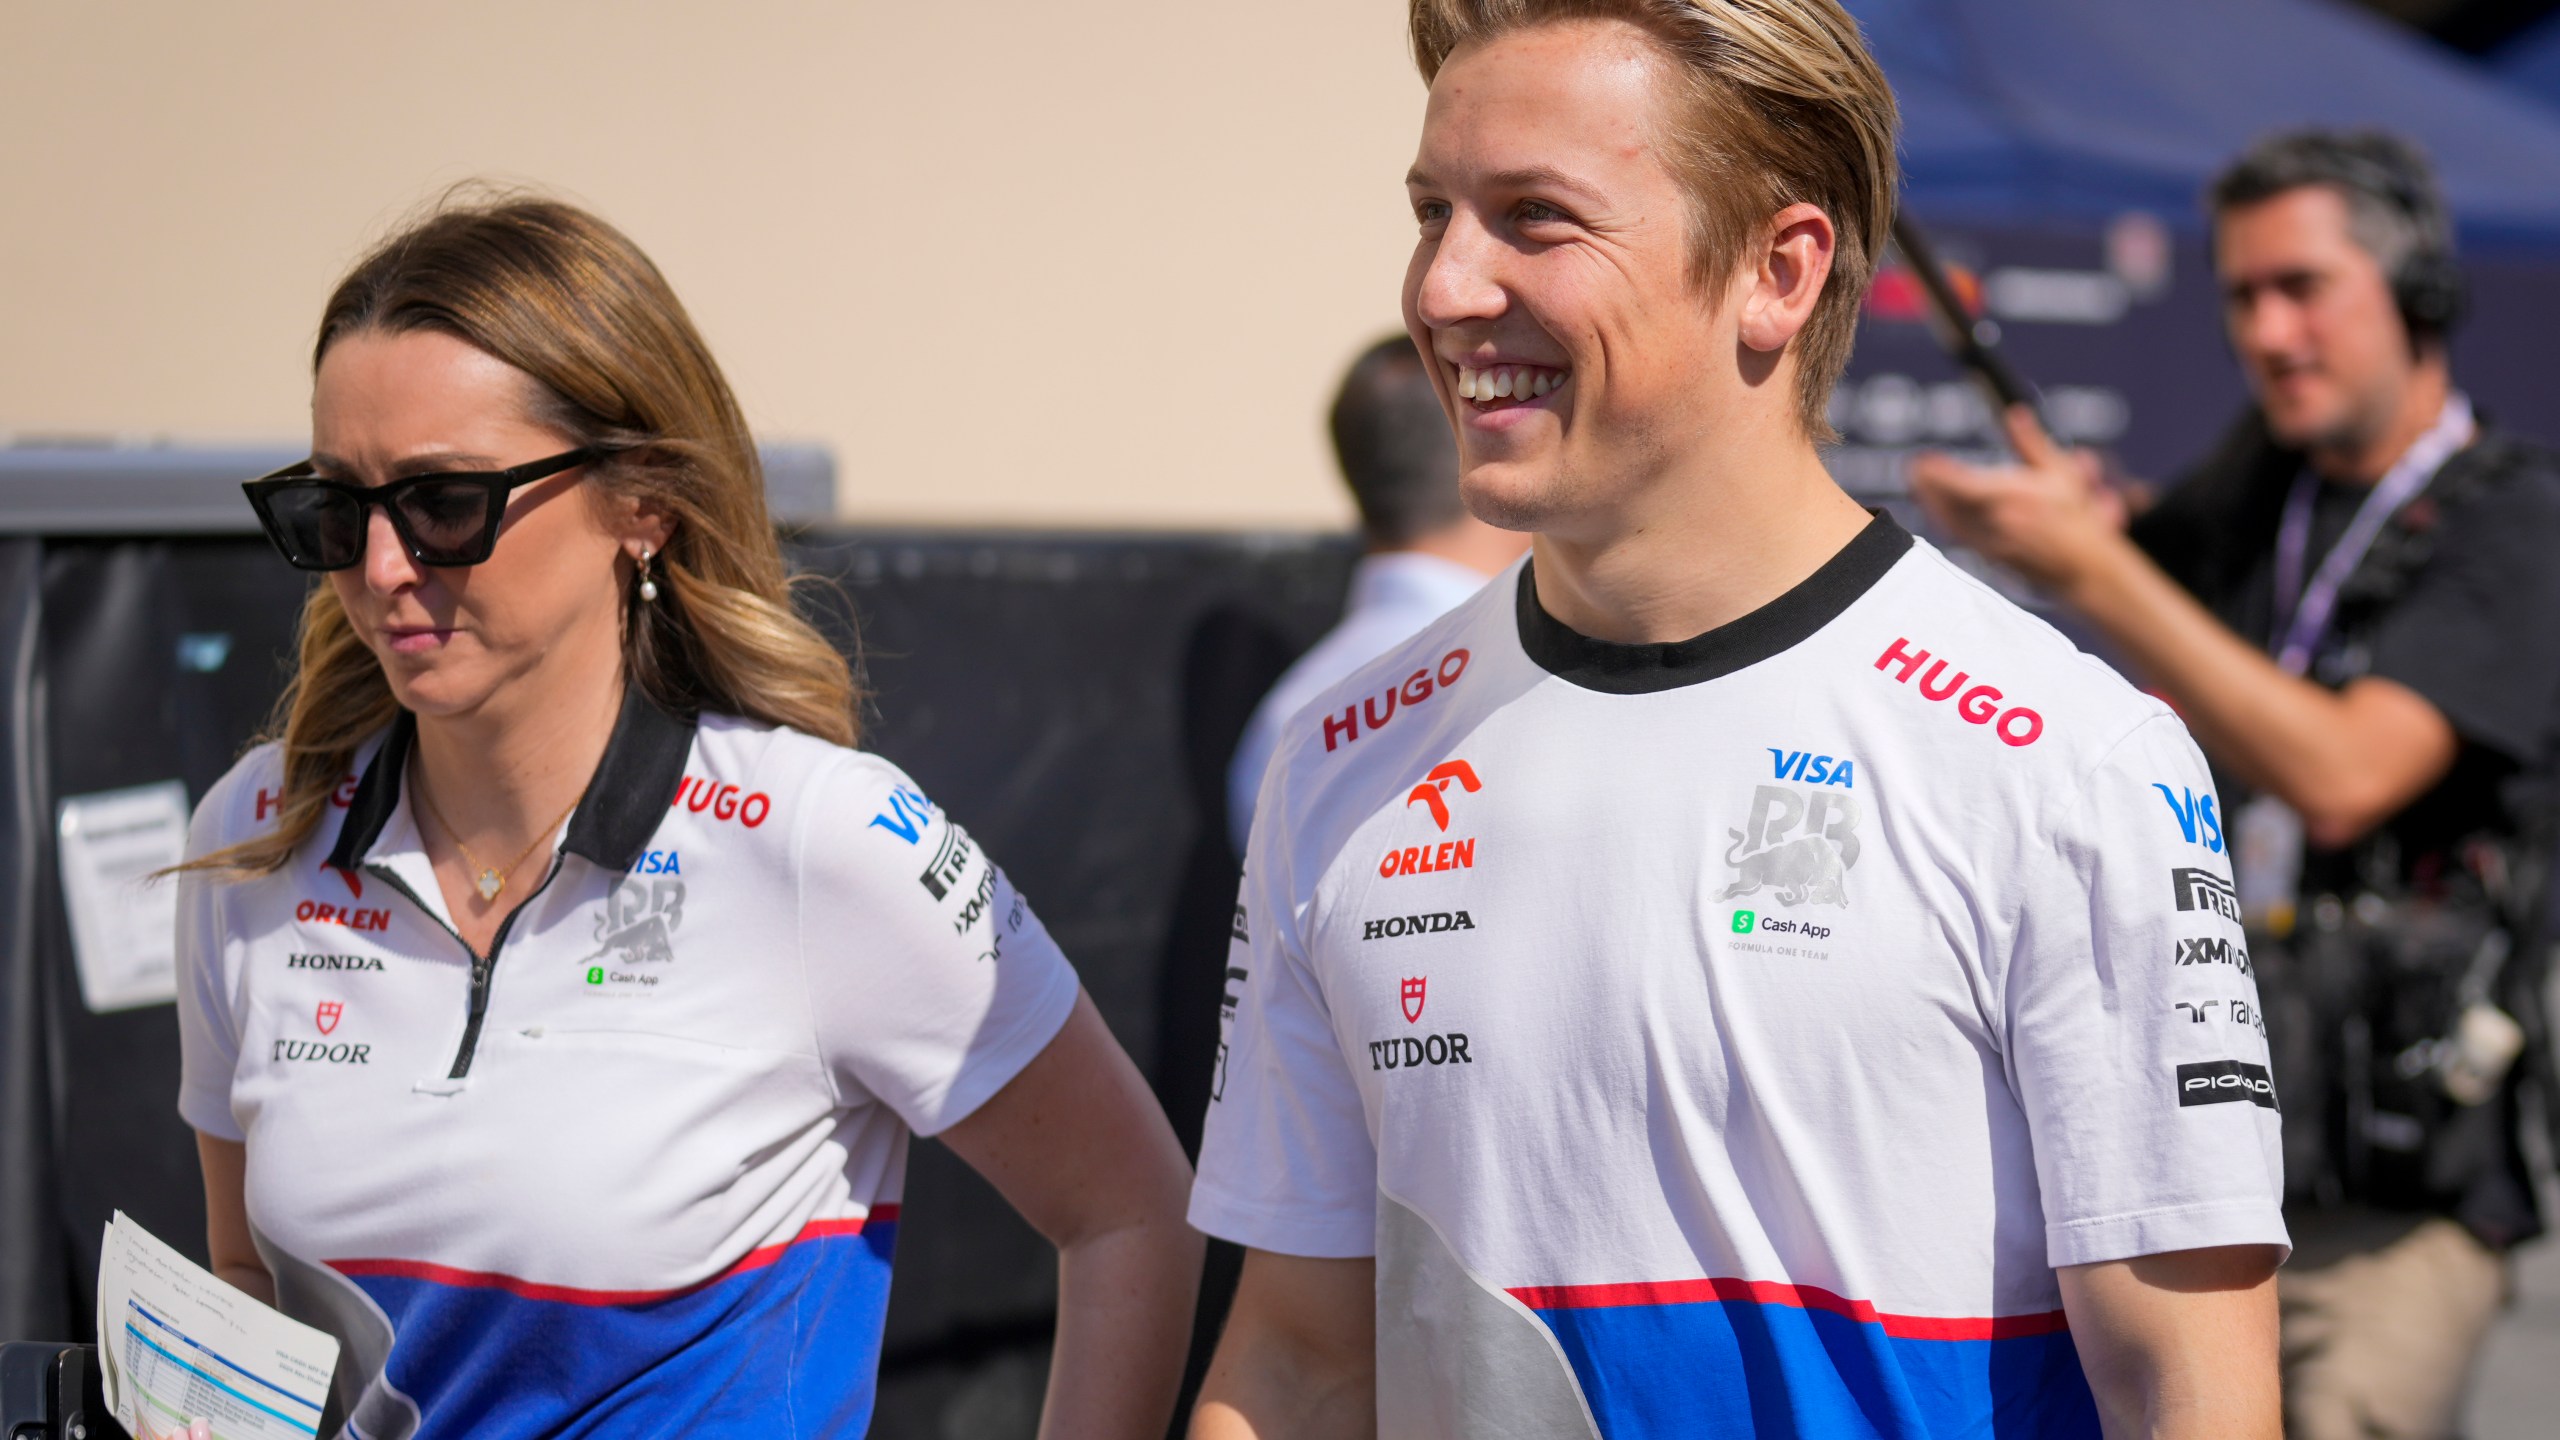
(446, 519)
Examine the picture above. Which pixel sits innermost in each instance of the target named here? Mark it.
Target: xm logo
(2214, 952)
(1800, 844)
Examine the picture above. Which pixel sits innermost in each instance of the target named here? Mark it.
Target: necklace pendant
(490, 883)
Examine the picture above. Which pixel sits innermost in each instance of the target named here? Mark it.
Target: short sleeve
(1286, 1159)
(931, 982)
(2135, 1042)
(208, 1023)
(2473, 632)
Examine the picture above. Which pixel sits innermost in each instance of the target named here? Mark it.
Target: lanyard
(2315, 599)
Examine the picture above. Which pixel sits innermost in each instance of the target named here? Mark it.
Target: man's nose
(1462, 280)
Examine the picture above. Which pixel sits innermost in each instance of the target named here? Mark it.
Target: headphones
(2427, 284)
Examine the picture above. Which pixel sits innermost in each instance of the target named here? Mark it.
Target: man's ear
(1782, 282)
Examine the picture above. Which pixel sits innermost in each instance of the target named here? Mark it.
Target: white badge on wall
(124, 924)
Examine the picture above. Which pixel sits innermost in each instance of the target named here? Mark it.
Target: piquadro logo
(1979, 705)
(2195, 816)
(2217, 1082)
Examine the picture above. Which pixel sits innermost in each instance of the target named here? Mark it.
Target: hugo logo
(271, 802)
(1429, 791)
(722, 802)
(1979, 705)
(1344, 728)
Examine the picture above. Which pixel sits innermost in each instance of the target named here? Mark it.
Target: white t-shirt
(642, 1171)
(1392, 596)
(1731, 1037)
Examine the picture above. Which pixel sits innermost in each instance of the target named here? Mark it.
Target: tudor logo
(1979, 705)
(1414, 986)
(326, 1017)
(1437, 782)
(1437, 922)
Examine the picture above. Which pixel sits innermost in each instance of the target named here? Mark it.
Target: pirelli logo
(2201, 889)
(2216, 1082)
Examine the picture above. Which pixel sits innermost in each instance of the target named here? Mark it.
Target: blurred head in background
(2339, 283)
(1392, 440)
(490, 336)
(1646, 226)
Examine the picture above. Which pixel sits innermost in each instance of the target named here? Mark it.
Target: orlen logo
(1419, 686)
(321, 912)
(722, 802)
(1448, 854)
(1979, 705)
(2196, 819)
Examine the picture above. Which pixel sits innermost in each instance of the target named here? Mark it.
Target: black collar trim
(1778, 626)
(634, 785)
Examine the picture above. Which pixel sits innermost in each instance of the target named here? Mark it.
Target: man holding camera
(2352, 605)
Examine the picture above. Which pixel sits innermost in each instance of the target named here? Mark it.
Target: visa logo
(908, 813)
(1812, 769)
(657, 862)
(2195, 815)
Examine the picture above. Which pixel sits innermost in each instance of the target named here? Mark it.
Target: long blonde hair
(617, 365)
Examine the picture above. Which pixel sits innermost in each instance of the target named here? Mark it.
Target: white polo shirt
(1731, 1037)
(640, 1171)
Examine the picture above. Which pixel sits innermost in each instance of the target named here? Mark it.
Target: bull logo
(638, 922)
(326, 1017)
(1435, 783)
(1413, 991)
(1799, 845)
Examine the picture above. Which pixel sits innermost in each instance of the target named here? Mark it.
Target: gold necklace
(491, 879)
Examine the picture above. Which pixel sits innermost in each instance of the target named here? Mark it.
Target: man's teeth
(1507, 382)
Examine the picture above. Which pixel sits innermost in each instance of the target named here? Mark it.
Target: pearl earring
(648, 587)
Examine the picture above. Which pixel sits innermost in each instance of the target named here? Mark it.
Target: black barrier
(1070, 699)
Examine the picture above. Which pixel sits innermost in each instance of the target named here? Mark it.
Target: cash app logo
(595, 974)
(1743, 920)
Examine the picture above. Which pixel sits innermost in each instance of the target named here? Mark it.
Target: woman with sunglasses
(559, 986)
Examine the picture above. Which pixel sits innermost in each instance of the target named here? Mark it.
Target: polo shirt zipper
(483, 967)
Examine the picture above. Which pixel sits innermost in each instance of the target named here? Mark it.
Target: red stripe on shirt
(1800, 1297)
(755, 1259)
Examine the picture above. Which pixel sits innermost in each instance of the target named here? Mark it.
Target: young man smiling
(1725, 979)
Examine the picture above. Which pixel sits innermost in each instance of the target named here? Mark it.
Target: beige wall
(1017, 262)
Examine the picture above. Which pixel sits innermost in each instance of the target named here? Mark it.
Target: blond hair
(1779, 103)
(616, 365)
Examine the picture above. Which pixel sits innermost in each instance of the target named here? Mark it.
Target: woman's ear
(645, 527)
